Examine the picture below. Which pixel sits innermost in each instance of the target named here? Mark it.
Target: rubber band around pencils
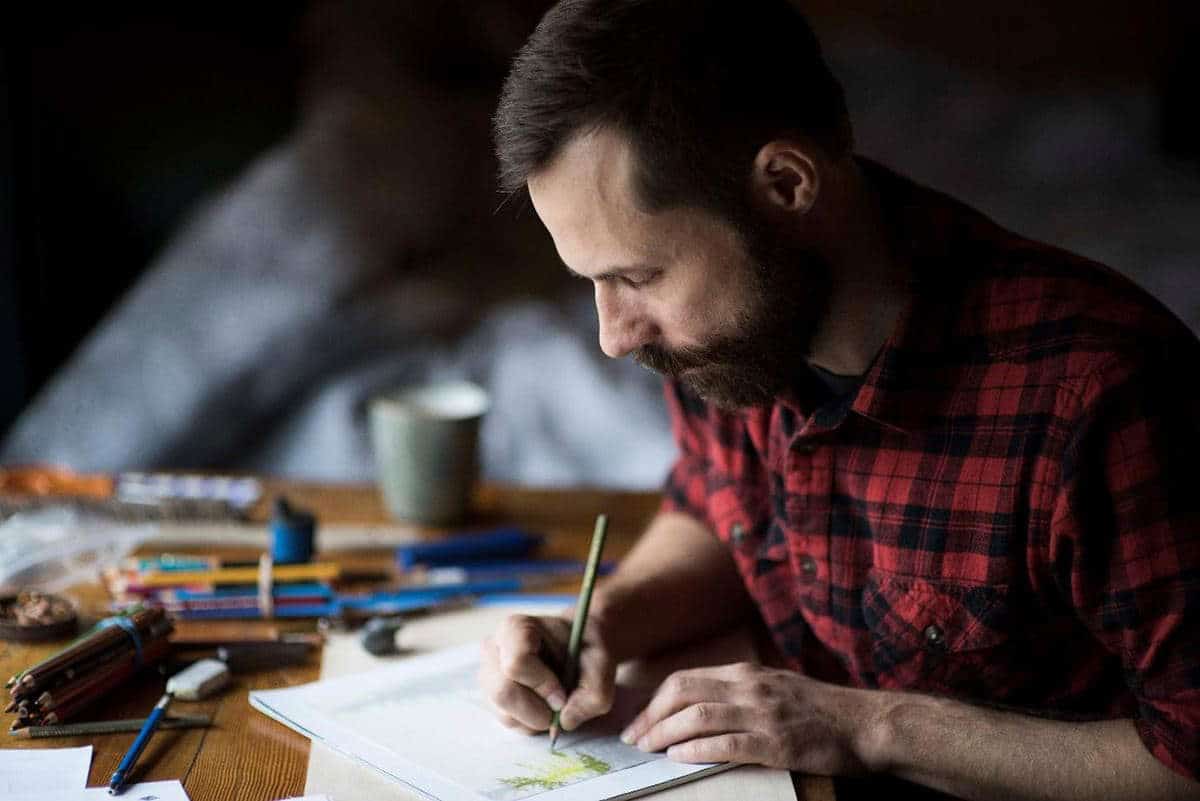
(266, 586)
(130, 629)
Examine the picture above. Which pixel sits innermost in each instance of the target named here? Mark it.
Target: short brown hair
(697, 85)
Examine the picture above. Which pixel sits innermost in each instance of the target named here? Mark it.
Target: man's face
(730, 313)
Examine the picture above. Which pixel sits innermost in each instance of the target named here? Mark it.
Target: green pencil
(571, 668)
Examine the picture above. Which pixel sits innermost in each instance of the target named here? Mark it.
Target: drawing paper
(425, 722)
(143, 791)
(40, 771)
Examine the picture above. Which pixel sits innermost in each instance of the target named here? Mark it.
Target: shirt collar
(907, 382)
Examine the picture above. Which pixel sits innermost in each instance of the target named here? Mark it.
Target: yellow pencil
(316, 571)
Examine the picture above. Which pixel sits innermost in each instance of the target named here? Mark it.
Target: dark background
(116, 121)
(113, 122)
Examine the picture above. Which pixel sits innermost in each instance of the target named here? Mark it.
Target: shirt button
(934, 637)
(808, 567)
(806, 447)
(737, 534)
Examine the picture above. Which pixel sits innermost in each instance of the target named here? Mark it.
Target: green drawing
(597, 766)
(563, 769)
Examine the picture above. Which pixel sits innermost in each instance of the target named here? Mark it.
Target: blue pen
(117, 783)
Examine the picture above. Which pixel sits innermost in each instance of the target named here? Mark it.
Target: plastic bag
(54, 549)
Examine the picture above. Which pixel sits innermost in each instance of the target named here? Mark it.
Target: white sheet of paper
(424, 721)
(143, 791)
(38, 771)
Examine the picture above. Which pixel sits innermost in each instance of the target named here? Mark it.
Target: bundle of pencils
(57, 689)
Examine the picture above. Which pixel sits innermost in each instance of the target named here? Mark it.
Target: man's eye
(639, 279)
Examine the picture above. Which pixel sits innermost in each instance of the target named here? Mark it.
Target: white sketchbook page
(343, 779)
(426, 721)
(39, 771)
(331, 772)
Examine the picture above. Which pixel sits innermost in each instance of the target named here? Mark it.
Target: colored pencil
(58, 688)
(69, 708)
(109, 727)
(90, 644)
(315, 571)
(571, 668)
(90, 659)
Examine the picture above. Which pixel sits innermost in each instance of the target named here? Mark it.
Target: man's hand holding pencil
(521, 666)
(518, 664)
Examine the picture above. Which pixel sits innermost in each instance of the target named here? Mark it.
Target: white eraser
(199, 680)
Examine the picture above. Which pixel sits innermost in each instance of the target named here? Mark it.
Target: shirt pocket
(944, 637)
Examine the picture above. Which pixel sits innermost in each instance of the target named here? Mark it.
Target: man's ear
(785, 177)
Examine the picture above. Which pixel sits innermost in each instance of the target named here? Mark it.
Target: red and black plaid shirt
(1006, 511)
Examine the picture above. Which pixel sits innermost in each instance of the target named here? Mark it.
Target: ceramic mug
(426, 442)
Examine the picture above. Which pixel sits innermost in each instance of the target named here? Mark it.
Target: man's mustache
(660, 360)
(674, 362)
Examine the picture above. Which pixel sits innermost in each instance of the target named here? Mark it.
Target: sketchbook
(426, 723)
(422, 721)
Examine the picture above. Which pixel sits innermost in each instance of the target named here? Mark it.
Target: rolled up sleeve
(1125, 546)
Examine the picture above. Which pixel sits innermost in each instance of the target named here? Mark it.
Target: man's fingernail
(627, 737)
(556, 701)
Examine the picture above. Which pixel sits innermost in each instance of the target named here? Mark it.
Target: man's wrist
(879, 740)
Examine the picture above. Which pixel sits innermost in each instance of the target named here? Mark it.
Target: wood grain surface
(245, 756)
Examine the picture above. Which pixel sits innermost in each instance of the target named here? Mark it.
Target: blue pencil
(117, 783)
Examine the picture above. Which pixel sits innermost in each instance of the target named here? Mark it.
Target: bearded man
(949, 468)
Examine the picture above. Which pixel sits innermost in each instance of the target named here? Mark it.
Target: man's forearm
(979, 754)
(677, 584)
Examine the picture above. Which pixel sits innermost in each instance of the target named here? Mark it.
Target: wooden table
(247, 756)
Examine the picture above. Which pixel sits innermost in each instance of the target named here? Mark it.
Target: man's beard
(763, 349)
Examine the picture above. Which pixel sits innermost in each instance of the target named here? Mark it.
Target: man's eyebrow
(611, 272)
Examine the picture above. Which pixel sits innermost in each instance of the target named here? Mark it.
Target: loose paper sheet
(36, 772)
(143, 791)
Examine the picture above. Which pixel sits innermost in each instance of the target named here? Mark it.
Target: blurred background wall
(1070, 122)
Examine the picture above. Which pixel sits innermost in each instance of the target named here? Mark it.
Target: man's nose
(623, 327)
